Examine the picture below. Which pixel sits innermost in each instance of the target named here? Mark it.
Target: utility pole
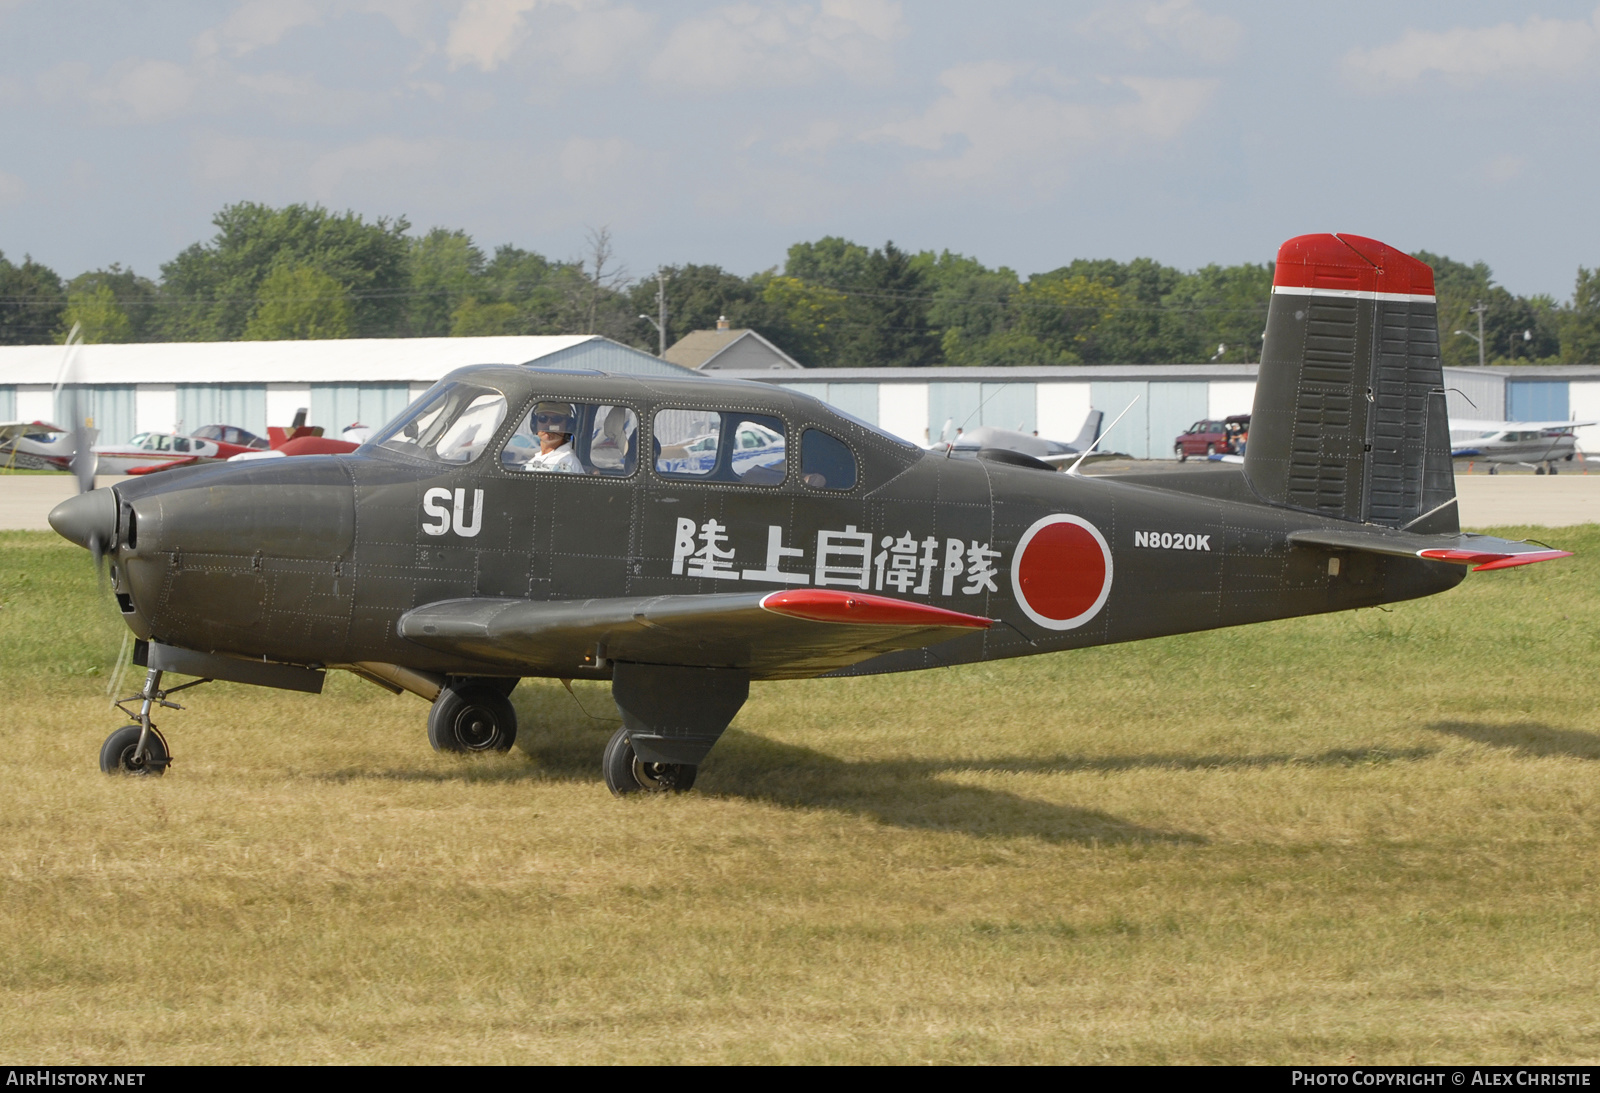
(1480, 311)
(660, 321)
(661, 311)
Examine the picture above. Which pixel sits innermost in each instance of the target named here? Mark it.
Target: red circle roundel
(1062, 572)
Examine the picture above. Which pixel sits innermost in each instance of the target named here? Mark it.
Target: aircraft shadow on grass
(902, 792)
(1528, 737)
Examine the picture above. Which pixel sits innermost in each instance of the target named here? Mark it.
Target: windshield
(450, 424)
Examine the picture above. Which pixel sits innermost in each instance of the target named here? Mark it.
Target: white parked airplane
(1054, 452)
(1537, 444)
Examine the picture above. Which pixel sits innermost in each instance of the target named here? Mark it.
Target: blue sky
(1024, 134)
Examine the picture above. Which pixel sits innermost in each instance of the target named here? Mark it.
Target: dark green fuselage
(314, 560)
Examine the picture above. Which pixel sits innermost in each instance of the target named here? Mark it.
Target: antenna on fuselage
(1103, 433)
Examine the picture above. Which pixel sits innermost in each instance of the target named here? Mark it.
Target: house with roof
(725, 349)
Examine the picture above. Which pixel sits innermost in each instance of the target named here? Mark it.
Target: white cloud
(744, 44)
(1503, 169)
(816, 138)
(589, 162)
(376, 156)
(1534, 48)
(255, 24)
(1180, 24)
(582, 37)
(487, 32)
(12, 189)
(148, 90)
(999, 120)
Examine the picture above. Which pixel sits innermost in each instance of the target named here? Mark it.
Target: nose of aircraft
(87, 518)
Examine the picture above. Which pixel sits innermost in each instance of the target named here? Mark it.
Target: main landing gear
(140, 749)
(472, 715)
(626, 773)
(671, 718)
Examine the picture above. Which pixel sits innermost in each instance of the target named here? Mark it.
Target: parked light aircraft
(36, 446)
(998, 443)
(446, 559)
(1537, 444)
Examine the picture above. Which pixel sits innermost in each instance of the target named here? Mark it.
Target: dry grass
(1367, 837)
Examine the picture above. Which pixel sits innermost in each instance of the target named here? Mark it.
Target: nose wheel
(139, 749)
(121, 754)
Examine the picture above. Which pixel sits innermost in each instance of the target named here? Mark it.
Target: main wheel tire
(1182, 454)
(472, 717)
(1493, 469)
(626, 773)
(116, 754)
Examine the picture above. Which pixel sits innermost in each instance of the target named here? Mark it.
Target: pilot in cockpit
(555, 423)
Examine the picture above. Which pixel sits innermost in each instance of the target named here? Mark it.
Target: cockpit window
(576, 438)
(720, 447)
(825, 462)
(451, 424)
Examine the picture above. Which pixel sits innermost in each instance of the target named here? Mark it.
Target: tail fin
(1349, 417)
(1090, 431)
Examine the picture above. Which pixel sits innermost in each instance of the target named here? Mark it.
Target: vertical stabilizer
(1349, 417)
(1090, 431)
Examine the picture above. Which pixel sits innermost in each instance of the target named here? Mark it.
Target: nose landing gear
(140, 749)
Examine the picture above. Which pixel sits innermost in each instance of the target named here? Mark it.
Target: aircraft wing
(794, 633)
(152, 468)
(1479, 551)
(1486, 426)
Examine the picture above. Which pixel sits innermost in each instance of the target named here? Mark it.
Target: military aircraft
(449, 558)
(1540, 445)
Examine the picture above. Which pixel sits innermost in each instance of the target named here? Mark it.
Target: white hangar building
(168, 386)
(161, 387)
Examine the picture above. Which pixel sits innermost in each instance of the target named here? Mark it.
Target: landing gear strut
(140, 748)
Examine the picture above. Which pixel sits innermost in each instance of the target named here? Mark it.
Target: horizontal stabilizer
(1479, 551)
(789, 634)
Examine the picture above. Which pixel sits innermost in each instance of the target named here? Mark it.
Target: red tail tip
(1352, 263)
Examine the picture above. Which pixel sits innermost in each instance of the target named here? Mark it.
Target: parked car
(1214, 437)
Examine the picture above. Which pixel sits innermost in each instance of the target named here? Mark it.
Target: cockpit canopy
(698, 431)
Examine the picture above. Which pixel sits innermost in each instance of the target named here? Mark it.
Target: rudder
(1349, 417)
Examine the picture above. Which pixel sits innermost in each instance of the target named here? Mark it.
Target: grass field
(1368, 837)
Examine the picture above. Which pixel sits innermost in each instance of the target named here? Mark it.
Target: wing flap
(1479, 551)
(773, 635)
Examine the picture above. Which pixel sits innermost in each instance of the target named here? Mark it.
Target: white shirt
(563, 460)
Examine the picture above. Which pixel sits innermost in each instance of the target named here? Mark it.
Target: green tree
(697, 296)
(1064, 311)
(884, 322)
(477, 319)
(444, 268)
(32, 303)
(965, 296)
(114, 305)
(1222, 306)
(805, 318)
(211, 289)
(831, 262)
(298, 303)
(1580, 327)
(98, 315)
